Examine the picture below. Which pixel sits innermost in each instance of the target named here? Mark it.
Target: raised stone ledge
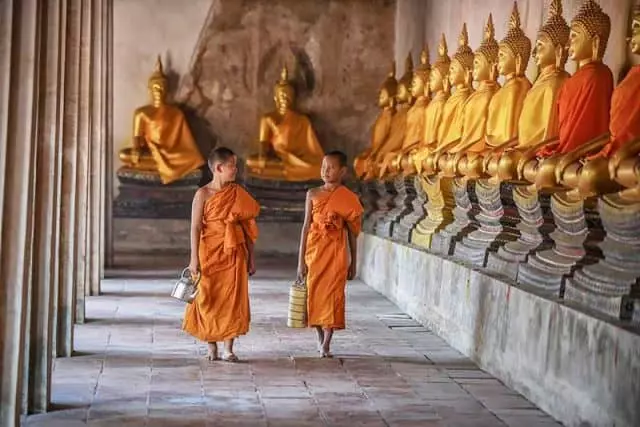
(581, 368)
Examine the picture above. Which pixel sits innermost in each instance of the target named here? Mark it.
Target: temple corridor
(135, 367)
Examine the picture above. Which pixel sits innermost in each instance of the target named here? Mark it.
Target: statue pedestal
(401, 206)
(280, 201)
(465, 210)
(535, 225)
(497, 220)
(384, 203)
(415, 200)
(439, 206)
(611, 285)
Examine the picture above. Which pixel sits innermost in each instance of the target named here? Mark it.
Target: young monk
(328, 249)
(223, 232)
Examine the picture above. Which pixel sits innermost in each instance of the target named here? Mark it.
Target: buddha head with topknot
(404, 84)
(157, 83)
(485, 60)
(590, 30)
(515, 49)
(420, 80)
(283, 92)
(389, 89)
(462, 62)
(438, 79)
(552, 40)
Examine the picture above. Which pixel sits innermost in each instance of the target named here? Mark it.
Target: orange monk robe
(583, 108)
(413, 135)
(432, 120)
(539, 118)
(504, 111)
(625, 112)
(296, 144)
(220, 310)
(167, 135)
(327, 257)
(379, 135)
(474, 123)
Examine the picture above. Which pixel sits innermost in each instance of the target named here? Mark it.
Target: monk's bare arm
(197, 210)
(302, 267)
(353, 249)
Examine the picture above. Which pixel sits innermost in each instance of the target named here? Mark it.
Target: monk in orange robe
(223, 232)
(328, 249)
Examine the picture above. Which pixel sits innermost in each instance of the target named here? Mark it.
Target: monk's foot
(212, 352)
(326, 352)
(230, 357)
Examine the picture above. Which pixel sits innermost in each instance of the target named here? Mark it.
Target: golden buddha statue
(382, 125)
(466, 157)
(162, 141)
(377, 166)
(506, 105)
(595, 167)
(584, 100)
(289, 149)
(459, 77)
(439, 88)
(538, 122)
(416, 116)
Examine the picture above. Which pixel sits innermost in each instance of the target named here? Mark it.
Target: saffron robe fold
(625, 112)
(327, 257)
(583, 108)
(220, 310)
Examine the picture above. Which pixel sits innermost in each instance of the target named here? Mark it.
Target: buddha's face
(544, 52)
(506, 61)
(403, 93)
(417, 86)
(158, 92)
(634, 42)
(283, 99)
(436, 81)
(580, 44)
(384, 99)
(456, 74)
(481, 68)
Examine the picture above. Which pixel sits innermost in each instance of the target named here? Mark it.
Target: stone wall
(580, 369)
(338, 53)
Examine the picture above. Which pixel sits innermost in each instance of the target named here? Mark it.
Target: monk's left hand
(352, 271)
(251, 266)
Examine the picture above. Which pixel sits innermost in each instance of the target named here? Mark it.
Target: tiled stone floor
(135, 367)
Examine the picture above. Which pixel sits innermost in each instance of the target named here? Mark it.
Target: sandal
(231, 357)
(327, 355)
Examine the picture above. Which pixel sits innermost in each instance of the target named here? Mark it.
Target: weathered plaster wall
(420, 20)
(580, 369)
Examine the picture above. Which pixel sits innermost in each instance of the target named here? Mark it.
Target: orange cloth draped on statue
(220, 310)
(583, 108)
(167, 135)
(625, 112)
(297, 145)
(327, 257)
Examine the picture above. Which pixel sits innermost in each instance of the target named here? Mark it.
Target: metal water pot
(186, 289)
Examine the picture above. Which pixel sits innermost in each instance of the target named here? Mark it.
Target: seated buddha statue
(439, 88)
(450, 127)
(465, 158)
(162, 142)
(584, 100)
(289, 149)
(382, 125)
(394, 142)
(506, 105)
(586, 169)
(416, 116)
(538, 122)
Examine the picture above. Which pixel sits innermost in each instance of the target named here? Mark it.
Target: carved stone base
(368, 197)
(414, 201)
(400, 207)
(439, 208)
(386, 193)
(534, 227)
(547, 269)
(142, 194)
(610, 286)
(280, 201)
(496, 226)
(465, 210)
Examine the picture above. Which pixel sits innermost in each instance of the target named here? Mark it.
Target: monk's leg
(320, 334)
(229, 355)
(212, 352)
(326, 345)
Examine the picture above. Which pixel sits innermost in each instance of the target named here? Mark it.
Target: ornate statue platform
(280, 201)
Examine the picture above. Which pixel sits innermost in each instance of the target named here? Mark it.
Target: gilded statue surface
(382, 125)
(289, 148)
(162, 140)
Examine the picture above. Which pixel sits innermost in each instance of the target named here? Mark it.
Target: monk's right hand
(194, 268)
(302, 272)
